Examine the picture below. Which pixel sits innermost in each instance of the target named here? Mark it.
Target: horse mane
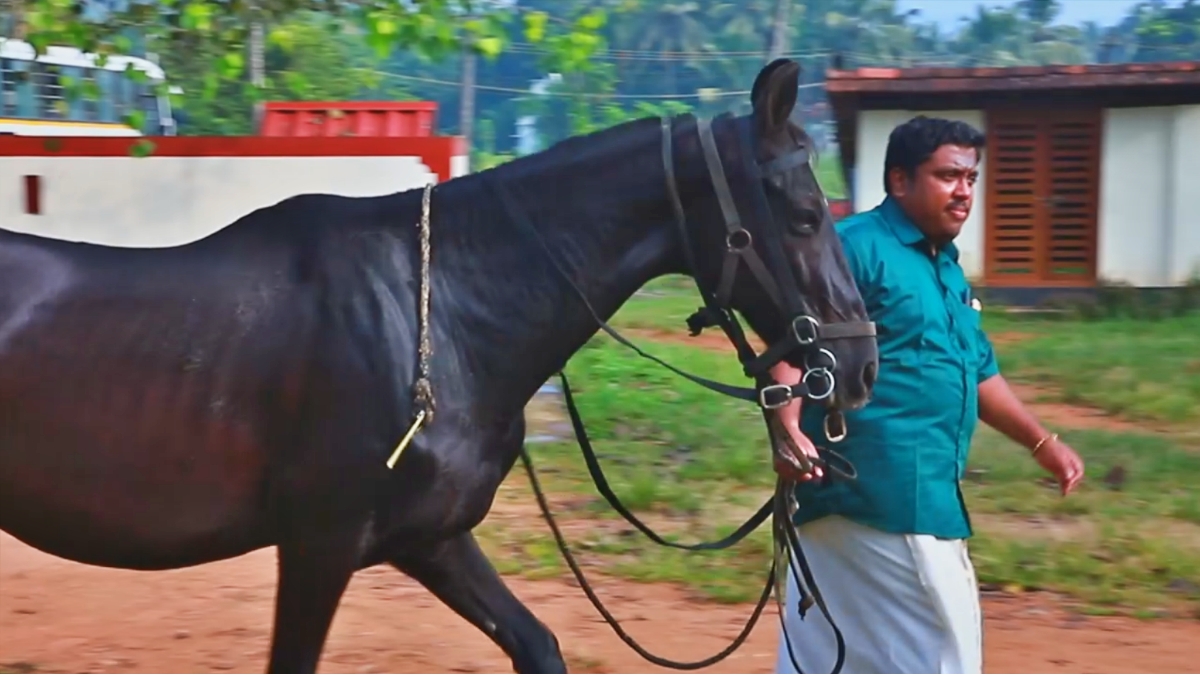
(578, 148)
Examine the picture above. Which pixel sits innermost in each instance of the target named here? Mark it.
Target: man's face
(939, 196)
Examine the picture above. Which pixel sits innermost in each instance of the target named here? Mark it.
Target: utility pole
(17, 18)
(466, 109)
(257, 60)
(779, 30)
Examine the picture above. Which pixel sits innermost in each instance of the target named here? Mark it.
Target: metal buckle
(738, 240)
(841, 434)
(813, 329)
(826, 355)
(788, 396)
(831, 383)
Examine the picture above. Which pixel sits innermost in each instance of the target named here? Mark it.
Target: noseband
(805, 332)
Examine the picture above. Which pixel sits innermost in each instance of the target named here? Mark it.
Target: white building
(94, 190)
(1090, 175)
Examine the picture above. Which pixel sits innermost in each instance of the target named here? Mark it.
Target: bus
(33, 101)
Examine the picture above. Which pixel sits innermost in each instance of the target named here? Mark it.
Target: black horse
(162, 408)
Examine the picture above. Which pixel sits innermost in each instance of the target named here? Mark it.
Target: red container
(307, 119)
(840, 208)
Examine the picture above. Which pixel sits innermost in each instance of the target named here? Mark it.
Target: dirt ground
(58, 616)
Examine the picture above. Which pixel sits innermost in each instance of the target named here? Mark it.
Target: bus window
(91, 106)
(105, 79)
(83, 108)
(18, 98)
(148, 104)
(48, 92)
(8, 88)
(74, 105)
(123, 97)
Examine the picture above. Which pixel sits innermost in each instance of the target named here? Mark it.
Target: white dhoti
(904, 603)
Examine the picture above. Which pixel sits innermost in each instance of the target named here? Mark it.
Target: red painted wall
(435, 151)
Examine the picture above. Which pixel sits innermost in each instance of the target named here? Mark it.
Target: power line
(526, 92)
(676, 53)
(914, 59)
(669, 56)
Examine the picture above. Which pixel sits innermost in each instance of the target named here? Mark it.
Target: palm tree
(676, 31)
(779, 29)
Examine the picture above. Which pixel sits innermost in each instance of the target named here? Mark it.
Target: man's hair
(915, 141)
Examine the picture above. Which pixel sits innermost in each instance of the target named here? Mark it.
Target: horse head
(769, 250)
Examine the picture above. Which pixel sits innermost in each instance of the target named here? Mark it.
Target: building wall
(1185, 245)
(874, 127)
(183, 194)
(1150, 178)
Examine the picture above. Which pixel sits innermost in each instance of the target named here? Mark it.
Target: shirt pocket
(902, 322)
(968, 323)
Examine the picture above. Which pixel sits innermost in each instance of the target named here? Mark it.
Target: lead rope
(422, 388)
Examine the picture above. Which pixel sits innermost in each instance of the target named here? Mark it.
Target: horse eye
(803, 229)
(806, 222)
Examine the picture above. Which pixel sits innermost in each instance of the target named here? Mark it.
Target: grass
(695, 464)
(1134, 545)
(1142, 370)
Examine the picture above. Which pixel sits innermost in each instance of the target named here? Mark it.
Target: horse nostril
(869, 374)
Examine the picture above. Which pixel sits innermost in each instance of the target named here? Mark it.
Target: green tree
(221, 28)
(308, 58)
(1166, 33)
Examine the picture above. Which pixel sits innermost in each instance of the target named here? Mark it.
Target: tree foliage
(206, 40)
(307, 58)
(614, 58)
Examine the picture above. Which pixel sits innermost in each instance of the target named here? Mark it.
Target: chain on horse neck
(422, 388)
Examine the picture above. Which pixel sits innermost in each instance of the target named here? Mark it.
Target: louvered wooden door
(1042, 195)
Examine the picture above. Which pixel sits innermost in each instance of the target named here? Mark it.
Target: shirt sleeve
(988, 365)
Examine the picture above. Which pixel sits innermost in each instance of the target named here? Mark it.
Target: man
(888, 551)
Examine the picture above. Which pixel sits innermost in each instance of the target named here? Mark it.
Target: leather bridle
(805, 332)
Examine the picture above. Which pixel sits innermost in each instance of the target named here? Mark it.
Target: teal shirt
(910, 442)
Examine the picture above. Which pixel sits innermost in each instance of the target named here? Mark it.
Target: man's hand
(1000, 409)
(1062, 462)
(789, 416)
(803, 444)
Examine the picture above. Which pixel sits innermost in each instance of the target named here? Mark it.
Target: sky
(947, 12)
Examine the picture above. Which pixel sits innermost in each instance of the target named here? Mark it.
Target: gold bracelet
(1042, 442)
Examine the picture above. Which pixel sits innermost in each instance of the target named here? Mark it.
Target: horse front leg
(460, 575)
(314, 572)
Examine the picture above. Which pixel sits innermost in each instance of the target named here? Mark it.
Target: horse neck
(601, 206)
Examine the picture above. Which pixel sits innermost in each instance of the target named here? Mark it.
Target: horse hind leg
(460, 575)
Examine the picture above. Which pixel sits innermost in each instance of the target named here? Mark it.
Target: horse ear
(774, 93)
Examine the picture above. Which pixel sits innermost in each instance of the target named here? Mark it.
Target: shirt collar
(904, 229)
